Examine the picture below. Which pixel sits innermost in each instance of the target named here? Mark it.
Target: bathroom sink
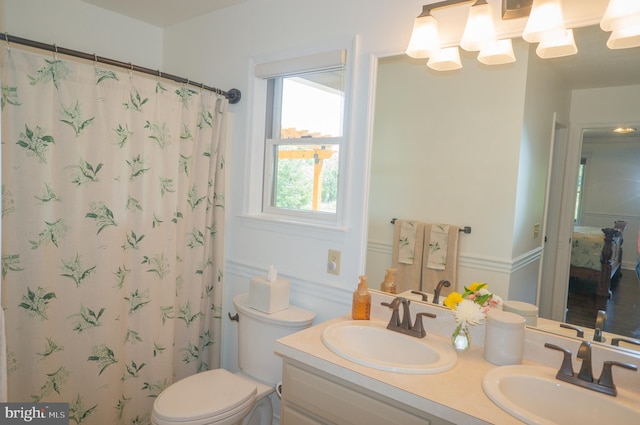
(370, 343)
(533, 395)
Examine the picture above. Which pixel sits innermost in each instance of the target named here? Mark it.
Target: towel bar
(465, 229)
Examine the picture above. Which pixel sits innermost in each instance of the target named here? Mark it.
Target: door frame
(551, 216)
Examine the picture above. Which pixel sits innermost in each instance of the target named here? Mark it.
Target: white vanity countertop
(455, 395)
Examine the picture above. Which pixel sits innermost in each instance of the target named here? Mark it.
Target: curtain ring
(130, 70)
(6, 38)
(55, 51)
(95, 61)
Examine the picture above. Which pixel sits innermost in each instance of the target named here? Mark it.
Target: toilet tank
(257, 333)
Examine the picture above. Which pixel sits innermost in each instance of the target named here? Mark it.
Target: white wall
(77, 25)
(603, 106)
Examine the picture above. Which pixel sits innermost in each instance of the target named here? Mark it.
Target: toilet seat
(204, 398)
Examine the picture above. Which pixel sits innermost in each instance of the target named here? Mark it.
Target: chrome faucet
(584, 378)
(405, 326)
(584, 353)
(436, 293)
(600, 319)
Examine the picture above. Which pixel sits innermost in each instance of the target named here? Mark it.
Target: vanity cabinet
(312, 397)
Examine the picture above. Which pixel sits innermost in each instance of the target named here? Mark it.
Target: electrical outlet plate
(333, 262)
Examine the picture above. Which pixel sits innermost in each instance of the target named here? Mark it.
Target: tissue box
(269, 297)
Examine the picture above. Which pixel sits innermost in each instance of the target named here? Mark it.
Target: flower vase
(461, 338)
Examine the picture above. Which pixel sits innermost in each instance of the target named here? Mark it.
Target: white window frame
(268, 183)
(257, 195)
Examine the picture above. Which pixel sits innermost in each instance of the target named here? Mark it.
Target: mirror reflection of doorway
(607, 190)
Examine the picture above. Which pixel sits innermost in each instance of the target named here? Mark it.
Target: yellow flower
(476, 285)
(452, 300)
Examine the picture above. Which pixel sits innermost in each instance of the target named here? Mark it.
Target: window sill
(279, 224)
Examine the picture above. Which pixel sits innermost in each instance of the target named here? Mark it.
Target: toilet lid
(204, 395)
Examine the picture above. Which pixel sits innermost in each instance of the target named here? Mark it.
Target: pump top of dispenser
(362, 285)
(389, 284)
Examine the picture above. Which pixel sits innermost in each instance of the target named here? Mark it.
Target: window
(580, 192)
(304, 135)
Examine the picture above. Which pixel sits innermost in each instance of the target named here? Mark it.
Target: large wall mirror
(485, 147)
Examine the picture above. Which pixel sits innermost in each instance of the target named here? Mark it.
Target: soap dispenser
(389, 285)
(361, 307)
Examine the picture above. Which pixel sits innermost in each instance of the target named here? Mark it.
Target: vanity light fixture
(622, 18)
(545, 25)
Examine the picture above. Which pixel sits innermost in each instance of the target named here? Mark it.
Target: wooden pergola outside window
(318, 156)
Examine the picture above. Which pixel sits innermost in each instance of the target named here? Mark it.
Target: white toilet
(222, 398)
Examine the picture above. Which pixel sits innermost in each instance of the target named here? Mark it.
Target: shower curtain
(112, 234)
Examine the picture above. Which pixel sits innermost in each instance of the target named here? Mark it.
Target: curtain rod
(233, 95)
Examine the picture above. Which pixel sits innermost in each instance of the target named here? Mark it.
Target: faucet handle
(566, 368)
(395, 315)
(579, 331)
(606, 378)
(617, 341)
(418, 327)
(424, 295)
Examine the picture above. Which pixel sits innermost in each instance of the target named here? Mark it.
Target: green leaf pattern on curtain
(112, 242)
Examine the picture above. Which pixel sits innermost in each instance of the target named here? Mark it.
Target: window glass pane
(312, 105)
(306, 177)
